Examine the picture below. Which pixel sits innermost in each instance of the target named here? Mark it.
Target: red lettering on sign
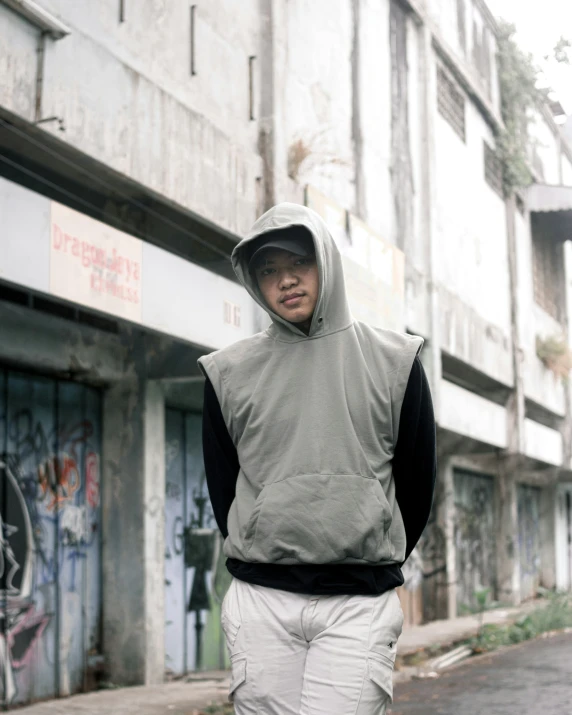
(57, 235)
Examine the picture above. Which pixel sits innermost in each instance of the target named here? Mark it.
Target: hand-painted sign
(94, 264)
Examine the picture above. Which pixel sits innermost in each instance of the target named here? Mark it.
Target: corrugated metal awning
(546, 198)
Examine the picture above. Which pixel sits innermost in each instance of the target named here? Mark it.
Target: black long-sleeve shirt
(414, 470)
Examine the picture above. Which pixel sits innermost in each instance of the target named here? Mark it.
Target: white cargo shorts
(294, 654)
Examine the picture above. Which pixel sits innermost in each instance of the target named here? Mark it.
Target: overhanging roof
(548, 198)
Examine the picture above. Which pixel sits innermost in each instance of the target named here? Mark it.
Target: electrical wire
(96, 179)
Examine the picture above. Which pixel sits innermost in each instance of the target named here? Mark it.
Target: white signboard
(94, 264)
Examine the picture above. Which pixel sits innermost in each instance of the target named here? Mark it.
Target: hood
(332, 312)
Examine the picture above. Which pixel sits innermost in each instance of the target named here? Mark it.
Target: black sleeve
(414, 461)
(220, 458)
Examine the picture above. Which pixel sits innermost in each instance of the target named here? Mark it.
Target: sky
(540, 23)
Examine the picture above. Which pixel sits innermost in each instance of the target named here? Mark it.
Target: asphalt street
(534, 677)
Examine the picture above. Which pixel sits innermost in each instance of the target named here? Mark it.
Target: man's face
(289, 285)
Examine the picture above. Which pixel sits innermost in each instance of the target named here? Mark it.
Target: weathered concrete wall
(155, 42)
(471, 222)
(127, 98)
(372, 110)
(507, 554)
(468, 414)
(540, 385)
(36, 341)
(317, 94)
(339, 113)
(461, 24)
(543, 443)
(471, 252)
(18, 64)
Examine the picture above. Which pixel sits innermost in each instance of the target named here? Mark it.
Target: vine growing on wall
(519, 94)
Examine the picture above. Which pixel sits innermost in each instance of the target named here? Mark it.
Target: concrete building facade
(138, 141)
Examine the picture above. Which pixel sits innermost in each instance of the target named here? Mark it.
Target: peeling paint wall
(317, 94)
(540, 384)
(471, 223)
(469, 337)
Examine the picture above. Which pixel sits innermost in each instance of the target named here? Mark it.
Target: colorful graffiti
(21, 625)
(49, 536)
(474, 538)
(528, 503)
(196, 578)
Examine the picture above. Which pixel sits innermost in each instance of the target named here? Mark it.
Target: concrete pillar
(508, 562)
(133, 532)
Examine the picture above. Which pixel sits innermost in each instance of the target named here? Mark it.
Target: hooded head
(331, 312)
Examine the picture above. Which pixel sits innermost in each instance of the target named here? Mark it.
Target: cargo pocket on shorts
(231, 629)
(380, 671)
(238, 676)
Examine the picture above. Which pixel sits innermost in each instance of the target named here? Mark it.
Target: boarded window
(547, 272)
(493, 169)
(451, 102)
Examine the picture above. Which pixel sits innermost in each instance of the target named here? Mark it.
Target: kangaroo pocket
(319, 518)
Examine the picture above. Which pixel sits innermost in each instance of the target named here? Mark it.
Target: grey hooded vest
(314, 419)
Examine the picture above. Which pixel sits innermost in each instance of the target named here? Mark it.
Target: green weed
(554, 616)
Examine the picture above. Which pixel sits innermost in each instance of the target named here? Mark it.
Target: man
(319, 448)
